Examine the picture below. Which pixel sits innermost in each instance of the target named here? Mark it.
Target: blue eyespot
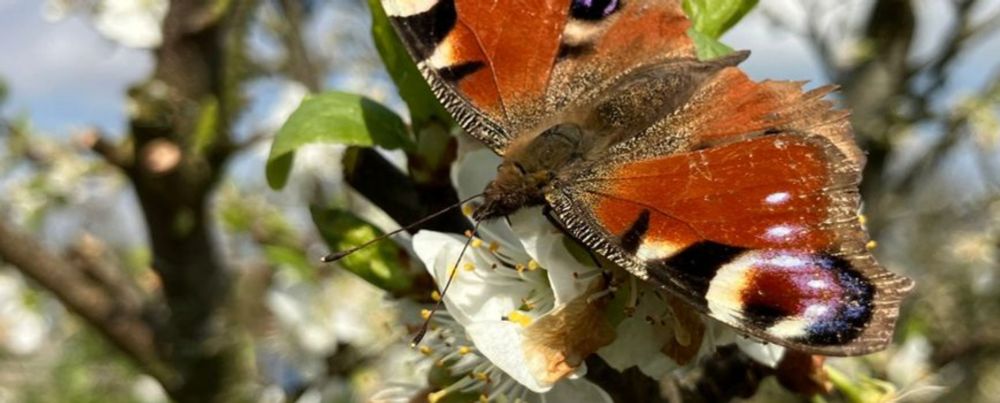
(593, 10)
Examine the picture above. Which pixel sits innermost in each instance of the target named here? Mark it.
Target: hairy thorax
(530, 168)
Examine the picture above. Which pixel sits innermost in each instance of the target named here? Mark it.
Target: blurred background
(131, 130)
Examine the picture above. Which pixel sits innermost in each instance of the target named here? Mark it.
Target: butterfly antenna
(451, 276)
(333, 257)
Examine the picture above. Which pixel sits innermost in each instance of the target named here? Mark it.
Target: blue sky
(64, 74)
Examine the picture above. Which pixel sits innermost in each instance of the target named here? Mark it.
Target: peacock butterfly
(740, 197)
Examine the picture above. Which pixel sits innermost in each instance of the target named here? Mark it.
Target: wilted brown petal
(557, 343)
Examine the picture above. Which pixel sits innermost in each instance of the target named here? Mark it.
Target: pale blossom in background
(131, 23)
(22, 328)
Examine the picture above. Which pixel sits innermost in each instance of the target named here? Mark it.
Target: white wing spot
(777, 198)
(406, 8)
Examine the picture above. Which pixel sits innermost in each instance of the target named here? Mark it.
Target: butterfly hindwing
(752, 217)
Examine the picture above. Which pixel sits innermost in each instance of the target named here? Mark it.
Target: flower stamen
(519, 318)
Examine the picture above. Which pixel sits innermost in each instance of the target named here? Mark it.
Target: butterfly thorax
(529, 169)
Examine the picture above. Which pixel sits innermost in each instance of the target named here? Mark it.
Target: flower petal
(765, 353)
(638, 345)
(502, 343)
(473, 170)
(647, 331)
(573, 391)
(557, 343)
(481, 294)
(547, 245)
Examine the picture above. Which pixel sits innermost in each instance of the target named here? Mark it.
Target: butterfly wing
(745, 203)
(505, 67)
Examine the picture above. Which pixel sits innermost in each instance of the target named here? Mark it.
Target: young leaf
(712, 18)
(338, 118)
(707, 47)
(381, 264)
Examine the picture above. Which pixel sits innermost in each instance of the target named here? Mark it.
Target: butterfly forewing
(505, 67)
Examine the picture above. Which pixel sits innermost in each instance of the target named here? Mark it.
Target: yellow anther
(425, 313)
(862, 219)
(425, 350)
(484, 398)
(437, 396)
(494, 246)
(467, 209)
(468, 266)
(463, 350)
(482, 376)
(871, 245)
(519, 267)
(477, 242)
(519, 318)
(533, 265)
(451, 270)
(436, 296)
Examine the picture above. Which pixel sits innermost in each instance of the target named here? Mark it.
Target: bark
(123, 325)
(187, 107)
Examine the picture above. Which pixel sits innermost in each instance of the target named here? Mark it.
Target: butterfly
(739, 197)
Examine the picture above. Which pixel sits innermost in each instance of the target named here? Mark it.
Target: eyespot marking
(593, 10)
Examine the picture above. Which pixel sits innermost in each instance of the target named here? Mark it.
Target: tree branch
(298, 64)
(124, 327)
(117, 155)
(398, 195)
(88, 254)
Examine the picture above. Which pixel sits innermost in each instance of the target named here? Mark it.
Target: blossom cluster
(527, 306)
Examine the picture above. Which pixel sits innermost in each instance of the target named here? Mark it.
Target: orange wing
(745, 203)
(503, 67)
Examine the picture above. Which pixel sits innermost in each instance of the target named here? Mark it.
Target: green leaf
(412, 87)
(382, 264)
(714, 17)
(337, 118)
(707, 47)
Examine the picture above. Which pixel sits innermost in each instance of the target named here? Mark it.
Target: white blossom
(520, 290)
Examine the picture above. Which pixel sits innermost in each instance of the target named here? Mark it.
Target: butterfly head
(528, 169)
